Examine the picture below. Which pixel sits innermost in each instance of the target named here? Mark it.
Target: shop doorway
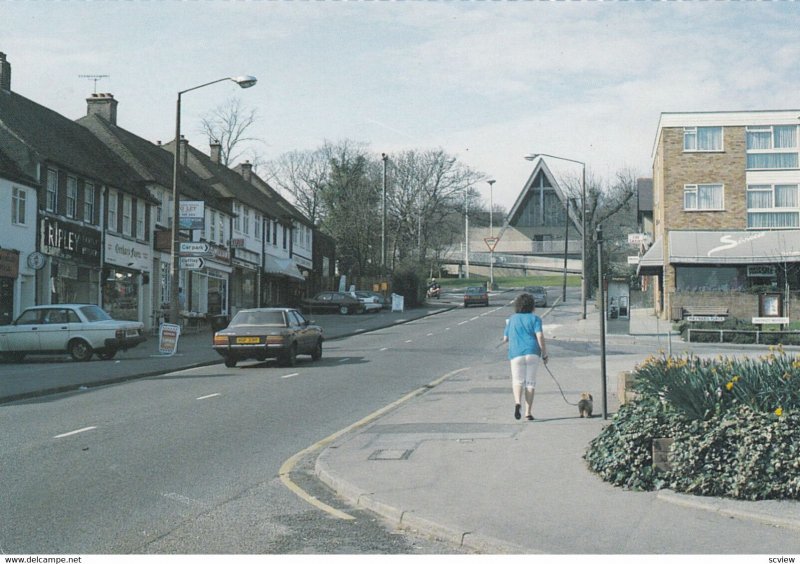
(6, 301)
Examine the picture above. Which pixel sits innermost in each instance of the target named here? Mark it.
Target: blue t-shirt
(521, 329)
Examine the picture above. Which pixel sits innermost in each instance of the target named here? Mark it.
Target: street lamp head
(490, 182)
(245, 81)
(531, 156)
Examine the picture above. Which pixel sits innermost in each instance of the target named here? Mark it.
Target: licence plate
(248, 340)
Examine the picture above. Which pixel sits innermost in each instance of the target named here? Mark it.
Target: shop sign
(221, 254)
(9, 263)
(192, 215)
(67, 240)
(302, 261)
(638, 239)
(770, 320)
(237, 243)
(712, 318)
(130, 254)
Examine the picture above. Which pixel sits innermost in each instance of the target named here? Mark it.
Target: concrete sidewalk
(454, 463)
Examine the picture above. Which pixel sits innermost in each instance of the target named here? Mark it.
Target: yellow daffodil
(779, 411)
(729, 386)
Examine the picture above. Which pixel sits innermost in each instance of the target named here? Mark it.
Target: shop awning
(652, 262)
(282, 266)
(733, 247)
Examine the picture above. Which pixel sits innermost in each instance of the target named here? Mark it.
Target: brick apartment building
(726, 213)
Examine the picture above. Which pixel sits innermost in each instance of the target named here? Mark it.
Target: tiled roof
(151, 161)
(59, 140)
(10, 171)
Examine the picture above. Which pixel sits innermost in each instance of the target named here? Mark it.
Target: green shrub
(735, 425)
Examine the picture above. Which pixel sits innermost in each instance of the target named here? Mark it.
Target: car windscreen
(94, 313)
(475, 291)
(269, 318)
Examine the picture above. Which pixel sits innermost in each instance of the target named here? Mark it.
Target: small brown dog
(586, 404)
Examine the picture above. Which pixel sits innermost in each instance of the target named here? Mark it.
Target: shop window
(711, 278)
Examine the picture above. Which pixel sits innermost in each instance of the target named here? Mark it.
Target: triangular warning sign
(491, 242)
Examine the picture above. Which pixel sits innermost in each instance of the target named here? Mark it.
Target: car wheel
(344, 310)
(289, 358)
(80, 350)
(317, 354)
(107, 355)
(230, 362)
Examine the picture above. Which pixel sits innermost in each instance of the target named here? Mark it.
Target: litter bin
(219, 322)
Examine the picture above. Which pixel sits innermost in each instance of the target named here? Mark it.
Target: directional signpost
(194, 248)
(192, 263)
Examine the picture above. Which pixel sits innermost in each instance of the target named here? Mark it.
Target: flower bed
(735, 425)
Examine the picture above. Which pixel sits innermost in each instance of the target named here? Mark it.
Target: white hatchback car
(78, 329)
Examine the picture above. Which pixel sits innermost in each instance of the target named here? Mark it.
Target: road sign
(192, 263)
(194, 248)
(491, 242)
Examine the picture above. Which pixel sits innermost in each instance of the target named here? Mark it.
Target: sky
(487, 81)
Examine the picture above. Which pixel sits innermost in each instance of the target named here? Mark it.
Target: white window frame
(773, 208)
(159, 194)
(88, 202)
(127, 214)
(692, 132)
(140, 215)
(72, 197)
(268, 229)
(113, 206)
(237, 218)
(246, 225)
(51, 202)
(212, 225)
(772, 150)
(221, 225)
(18, 200)
(257, 226)
(689, 189)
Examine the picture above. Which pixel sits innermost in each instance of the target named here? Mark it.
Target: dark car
(264, 333)
(476, 295)
(539, 294)
(331, 302)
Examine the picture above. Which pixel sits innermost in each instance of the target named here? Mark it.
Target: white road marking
(429, 335)
(409, 341)
(384, 349)
(180, 498)
(74, 432)
(345, 359)
(208, 396)
(474, 318)
(463, 322)
(292, 375)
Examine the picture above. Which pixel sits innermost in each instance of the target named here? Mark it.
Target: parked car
(264, 333)
(385, 301)
(78, 329)
(370, 302)
(476, 295)
(332, 302)
(539, 294)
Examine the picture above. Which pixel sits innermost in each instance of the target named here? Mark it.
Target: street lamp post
(466, 234)
(533, 156)
(384, 157)
(601, 301)
(491, 236)
(566, 240)
(174, 311)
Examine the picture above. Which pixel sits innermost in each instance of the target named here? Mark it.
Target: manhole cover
(390, 454)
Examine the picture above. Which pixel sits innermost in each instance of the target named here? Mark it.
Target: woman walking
(526, 349)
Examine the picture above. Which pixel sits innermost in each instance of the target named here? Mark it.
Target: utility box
(661, 461)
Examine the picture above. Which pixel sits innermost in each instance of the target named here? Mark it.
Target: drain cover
(390, 454)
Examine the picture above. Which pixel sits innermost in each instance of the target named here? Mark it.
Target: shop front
(207, 287)
(126, 275)
(282, 283)
(9, 271)
(245, 279)
(72, 270)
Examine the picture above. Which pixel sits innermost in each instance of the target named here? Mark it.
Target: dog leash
(557, 384)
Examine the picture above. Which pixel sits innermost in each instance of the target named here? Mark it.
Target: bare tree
(229, 125)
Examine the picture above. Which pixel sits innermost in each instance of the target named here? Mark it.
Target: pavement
(453, 463)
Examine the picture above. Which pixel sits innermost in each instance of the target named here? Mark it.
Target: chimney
(184, 151)
(103, 105)
(216, 151)
(247, 171)
(5, 74)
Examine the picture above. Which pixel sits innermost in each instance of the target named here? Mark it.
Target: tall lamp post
(384, 157)
(533, 156)
(466, 234)
(491, 235)
(174, 310)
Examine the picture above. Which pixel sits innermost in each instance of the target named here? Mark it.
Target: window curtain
(772, 220)
(785, 136)
(709, 138)
(772, 160)
(786, 196)
(709, 197)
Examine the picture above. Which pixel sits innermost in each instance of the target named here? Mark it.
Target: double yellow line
(286, 468)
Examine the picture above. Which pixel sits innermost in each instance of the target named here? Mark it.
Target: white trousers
(523, 370)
